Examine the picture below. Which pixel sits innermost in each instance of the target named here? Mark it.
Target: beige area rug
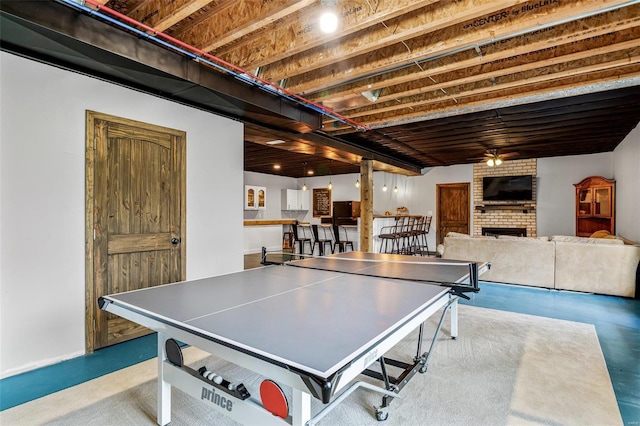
(504, 369)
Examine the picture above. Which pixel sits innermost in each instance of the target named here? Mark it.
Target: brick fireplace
(511, 217)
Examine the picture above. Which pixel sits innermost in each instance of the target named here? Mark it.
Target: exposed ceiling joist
(435, 83)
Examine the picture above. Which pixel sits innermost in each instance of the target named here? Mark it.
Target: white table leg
(454, 319)
(164, 388)
(301, 410)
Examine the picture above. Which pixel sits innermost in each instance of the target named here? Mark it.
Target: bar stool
(391, 234)
(420, 235)
(321, 242)
(341, 243)
(406, 234)
(287, 238)
(300, 241)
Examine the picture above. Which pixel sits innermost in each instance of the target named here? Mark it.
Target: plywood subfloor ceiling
(408, 75)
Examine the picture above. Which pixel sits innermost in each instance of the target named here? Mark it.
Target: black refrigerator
(346, 212)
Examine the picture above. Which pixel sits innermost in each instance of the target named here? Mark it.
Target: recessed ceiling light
(328, 22)
(310, 172)
(329, 17)
(275, 142)
(276, 166)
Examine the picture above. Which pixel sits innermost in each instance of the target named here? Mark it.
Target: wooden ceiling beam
(163, 15)
(300, 32)
(376, 41)
(452, 38)
(488, 98)
(607, 57)
(619, 25)
(232, 20)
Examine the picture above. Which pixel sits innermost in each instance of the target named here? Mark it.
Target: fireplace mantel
(524, 208)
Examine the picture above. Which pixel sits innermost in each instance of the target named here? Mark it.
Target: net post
(473, 275)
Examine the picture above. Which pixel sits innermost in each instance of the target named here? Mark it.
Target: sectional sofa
(593, 265)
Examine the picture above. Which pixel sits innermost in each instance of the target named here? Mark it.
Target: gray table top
(314, 320)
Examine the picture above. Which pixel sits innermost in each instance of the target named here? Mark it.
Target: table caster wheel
(382, 414)
(423, 369)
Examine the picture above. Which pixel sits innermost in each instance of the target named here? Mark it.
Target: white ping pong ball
(218, 379)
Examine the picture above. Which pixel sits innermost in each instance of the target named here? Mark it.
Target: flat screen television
(507, 188)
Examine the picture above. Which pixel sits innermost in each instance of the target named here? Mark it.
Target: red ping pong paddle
(273, 399)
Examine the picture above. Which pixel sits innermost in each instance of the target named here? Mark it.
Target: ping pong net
(460, 276)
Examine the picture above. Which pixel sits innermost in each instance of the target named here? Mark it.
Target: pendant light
(304, 176)
(330, 186)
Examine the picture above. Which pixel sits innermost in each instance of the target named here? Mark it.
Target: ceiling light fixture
(328, 17)
(330, 184)
(494, 161)
(494, 158)
(275, 142)
(304, 174)
(357, 183)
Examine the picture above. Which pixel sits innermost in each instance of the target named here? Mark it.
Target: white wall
(422, 193)
(556, 193)
(42, 199)
(626, 166)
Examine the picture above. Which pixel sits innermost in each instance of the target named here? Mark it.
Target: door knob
(175, 241)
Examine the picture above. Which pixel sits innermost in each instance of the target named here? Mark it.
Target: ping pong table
(313, 324)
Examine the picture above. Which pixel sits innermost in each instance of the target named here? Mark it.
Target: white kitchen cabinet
(295, 199)
(255, 197)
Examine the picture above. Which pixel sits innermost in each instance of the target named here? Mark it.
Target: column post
(366, 205)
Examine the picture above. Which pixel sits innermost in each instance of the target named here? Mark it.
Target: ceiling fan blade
(509, 154)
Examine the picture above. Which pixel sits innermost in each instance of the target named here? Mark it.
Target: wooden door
(452, 209)
(135, 216)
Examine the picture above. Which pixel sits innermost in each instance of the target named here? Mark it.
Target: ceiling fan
(494, 158)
